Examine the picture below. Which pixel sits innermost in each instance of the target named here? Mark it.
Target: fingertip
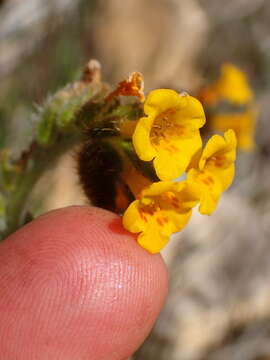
(103, 291)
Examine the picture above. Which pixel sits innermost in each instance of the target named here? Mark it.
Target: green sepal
(145, 167)
(129, 111)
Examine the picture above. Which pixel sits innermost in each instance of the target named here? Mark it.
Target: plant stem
(42, 159)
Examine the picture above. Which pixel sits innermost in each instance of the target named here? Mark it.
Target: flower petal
(156, 236)
(170, 164)
(188, 194)
(242, 123)
(158, 188)
(233, 85)
(208, 202)
(191, 112)
(210, 189)
(141, 139)
(214, 145)
(132, 220)
(178, 220)
(218, 145)
(230, 138)
(227, 177)
(152, 240)
(160, 100)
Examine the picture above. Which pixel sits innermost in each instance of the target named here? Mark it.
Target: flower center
(164, 128)
(171, 199)
(217, 161)
(153, 210)
(147, 210)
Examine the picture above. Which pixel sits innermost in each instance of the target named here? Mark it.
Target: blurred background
(218, 306)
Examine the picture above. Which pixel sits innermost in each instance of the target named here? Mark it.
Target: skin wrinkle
(73, 288)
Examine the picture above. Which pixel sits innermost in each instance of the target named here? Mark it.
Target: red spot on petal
(160, 221)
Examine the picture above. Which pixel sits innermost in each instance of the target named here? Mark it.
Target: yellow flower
(169, 133)
(162, 209)
(243, 123)
(215, 170)
(230, 103)
(232, 86)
